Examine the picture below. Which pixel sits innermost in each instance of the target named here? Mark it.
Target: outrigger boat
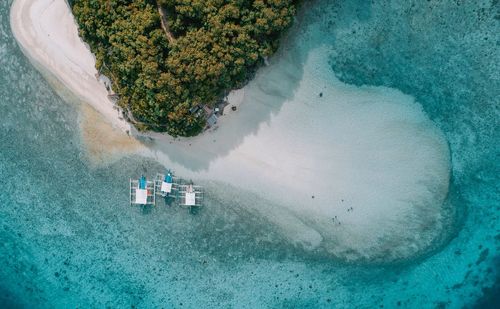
(190, 195)
(165, 185)
(142, 192)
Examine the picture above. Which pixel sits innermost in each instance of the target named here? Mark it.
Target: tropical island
(319, 193)
(167, 57)
(355, 163)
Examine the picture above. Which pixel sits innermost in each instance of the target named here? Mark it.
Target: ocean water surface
(68, 237)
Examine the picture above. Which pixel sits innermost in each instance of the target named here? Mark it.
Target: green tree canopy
(218, 45)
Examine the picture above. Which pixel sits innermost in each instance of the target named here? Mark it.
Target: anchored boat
(186, 194)
(166, 185)
(190, 195)
(142, 192)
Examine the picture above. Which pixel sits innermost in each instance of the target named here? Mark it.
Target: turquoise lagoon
(63, 245)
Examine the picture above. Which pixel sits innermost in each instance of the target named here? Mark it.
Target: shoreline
(45, 31)
(66, 61)
(348, 166)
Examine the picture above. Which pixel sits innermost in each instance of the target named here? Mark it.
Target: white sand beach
(48, 35)
(357, 171)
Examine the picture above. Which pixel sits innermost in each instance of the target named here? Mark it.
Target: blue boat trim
(142, 183)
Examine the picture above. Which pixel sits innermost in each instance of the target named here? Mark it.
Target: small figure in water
(321, 94)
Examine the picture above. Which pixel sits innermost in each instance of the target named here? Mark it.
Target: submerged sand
(360, 172)
(104, 142)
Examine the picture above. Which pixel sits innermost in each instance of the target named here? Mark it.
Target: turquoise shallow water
(61, 245)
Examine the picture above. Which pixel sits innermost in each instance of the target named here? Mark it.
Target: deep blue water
(63, 245)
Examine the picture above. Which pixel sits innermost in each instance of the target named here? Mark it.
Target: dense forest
(167, 56)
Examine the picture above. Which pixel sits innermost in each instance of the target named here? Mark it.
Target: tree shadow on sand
(264, 97)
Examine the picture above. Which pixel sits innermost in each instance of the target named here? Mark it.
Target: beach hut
(190, 195)
(166, 184)
(212, 120)
(142, 192)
